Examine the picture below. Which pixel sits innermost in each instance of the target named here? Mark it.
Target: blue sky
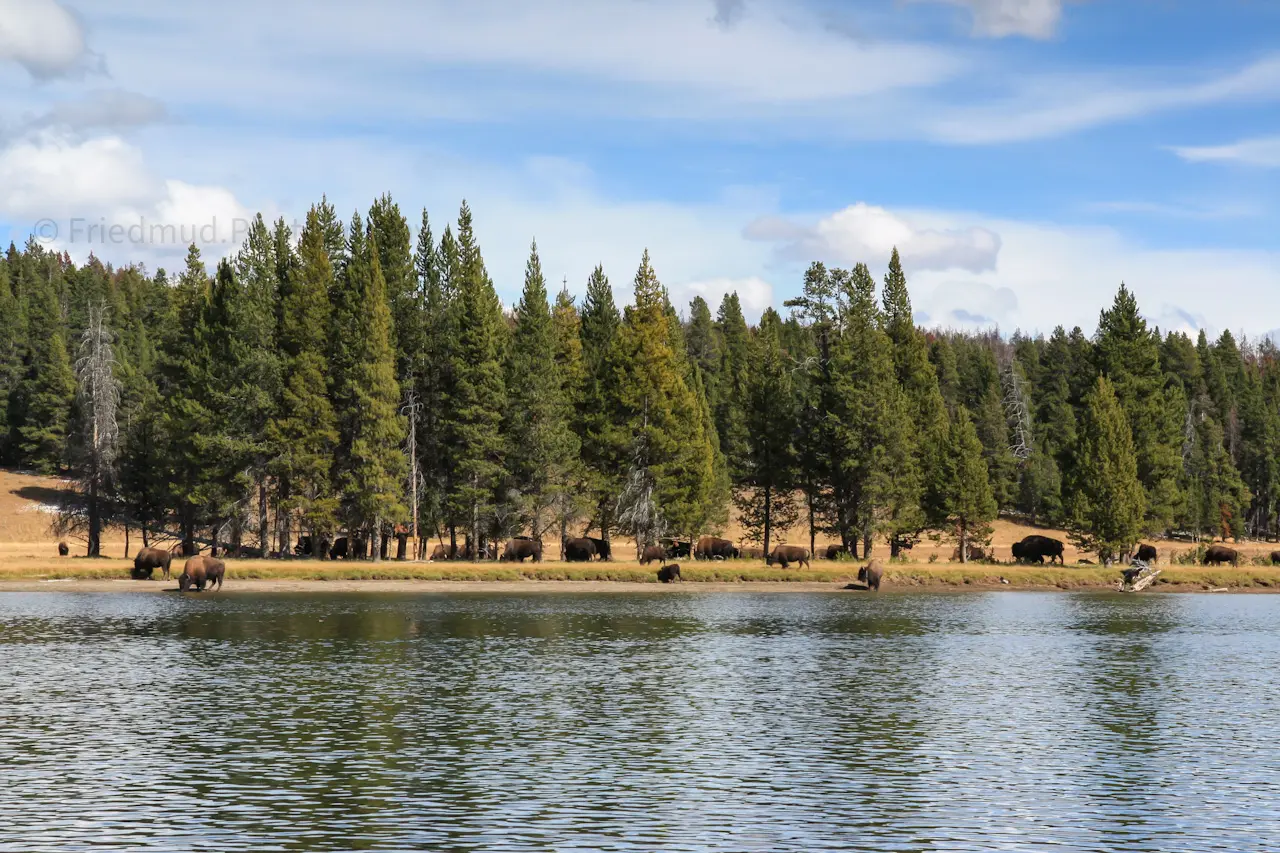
(1024, 155)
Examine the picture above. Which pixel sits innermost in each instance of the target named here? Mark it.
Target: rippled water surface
(685, 721)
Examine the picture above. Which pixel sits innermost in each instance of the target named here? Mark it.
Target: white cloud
(109, 109)
(42, 36)
(862, 232)
(98, 195)
(1000, 18)
(1264, 152)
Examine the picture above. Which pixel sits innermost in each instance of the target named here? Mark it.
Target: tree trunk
(768, 516)
(188, 531)
(264, 530)
(964, 544)
(126, 541)
(453, 541)
(95, 520)
(375, 540)
(813, 534)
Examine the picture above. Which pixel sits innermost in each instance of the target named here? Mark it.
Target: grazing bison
(199, 571)
(603, 549)
(1275, 558)
(444, 552)
(714, 548)
(871, 574)
(784, 555)
(63, 550)
(578, 550)
(651, 553)
(1147, 553)
(148, 560)
(836, 552)
(670, 573)
(752, 553)
(1216, 554)
(1035, 548)
(677, 549)
(520, 548)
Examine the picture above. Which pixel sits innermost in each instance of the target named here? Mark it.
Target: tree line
(360, 378)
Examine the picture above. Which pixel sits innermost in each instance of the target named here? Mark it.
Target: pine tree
(765, 502)
(475, 440)
(660, 410)
(600, 428)
(42, 408)
(367, 395)
(968, 504)
(542, 450)
(395, 256)
(1129, 356)
(731, 327)
(303, 433)
(433, 375)
(12, 346)
(1108, 503)
(571, 500)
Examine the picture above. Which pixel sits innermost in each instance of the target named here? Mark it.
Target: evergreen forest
(364, 379)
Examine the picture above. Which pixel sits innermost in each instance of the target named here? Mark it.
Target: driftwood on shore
(1138, 577)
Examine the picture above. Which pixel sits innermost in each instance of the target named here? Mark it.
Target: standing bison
(63, 550)
(199, 571)
(148, 560)
(1035, 548)
(670, 573)
(751, 553)
(1275, 558)
(871, 574)
(651, 553)
(714, 548)
(518, 549)
(677, 549)
(784, 555)
(603, 550)
(836, 552)
(1217, 554)
(1147, 553)
(578, 550)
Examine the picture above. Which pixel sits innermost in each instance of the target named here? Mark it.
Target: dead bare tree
(1017, 409)
(98, 391)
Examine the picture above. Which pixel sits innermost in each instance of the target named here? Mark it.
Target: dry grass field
(28, 552)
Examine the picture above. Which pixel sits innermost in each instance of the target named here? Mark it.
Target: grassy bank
(897, 575)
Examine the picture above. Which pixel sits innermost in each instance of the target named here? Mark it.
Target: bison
(871, 574)
(836, 552)
(1035, 548)
(751, 553)
(199, 571)
(341, 546)
(578, 550)
(784, 555)
(670, 573)
(714, 548)
(1275, 558)
(63, 550)
(975, 553)
(603, 549)
(677, 549)
(1147, 553)
(1216, 554)
(148, 560)
(651, 553)
(520, 548)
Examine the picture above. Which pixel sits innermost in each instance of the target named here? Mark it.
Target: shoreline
(251, 586)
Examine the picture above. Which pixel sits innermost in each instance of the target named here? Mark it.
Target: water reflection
(638, 722)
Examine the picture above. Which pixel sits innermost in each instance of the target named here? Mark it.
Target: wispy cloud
(1264, 152)
(1036, 19)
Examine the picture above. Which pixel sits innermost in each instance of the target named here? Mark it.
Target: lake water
(669, 721)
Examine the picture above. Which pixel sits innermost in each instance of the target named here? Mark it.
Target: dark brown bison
(603, 550)
(441, 552)
(751, 553)
(199, 571)
(651, 553)
(148, 560)
(518, 549)
(871, 574)
(670, 573)
(341, 547)
(578, 550)
(677, 549)
(63, 550)
(1147, 553)
(836, 552)
(714, 548)
(1275, 558)
(784, 555)
(1216, 554)
(1035, 548)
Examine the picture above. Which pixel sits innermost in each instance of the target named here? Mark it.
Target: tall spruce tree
(542, 450)
(396, 258)
(433, 372)
(473, 419)
(765, 500)
(572, 499)
(968, 504)
(303, 432)
(731, 328)
(600, 427)
(12, 345)
(42, 408)
(1128, 354)
(1108, 504)
(367, 396)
